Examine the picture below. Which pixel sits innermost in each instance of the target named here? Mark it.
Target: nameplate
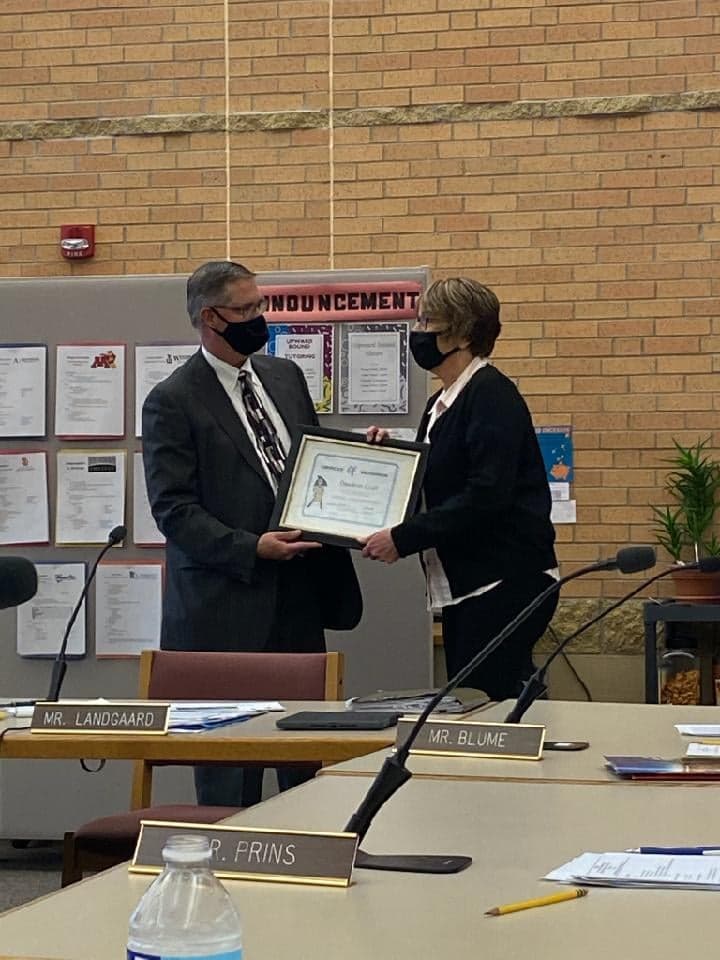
(255, 853)
(461, 738)
(89, 716)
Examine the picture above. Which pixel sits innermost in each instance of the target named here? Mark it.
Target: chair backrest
(191, 675)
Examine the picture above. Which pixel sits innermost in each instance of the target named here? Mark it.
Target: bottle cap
(185, 848)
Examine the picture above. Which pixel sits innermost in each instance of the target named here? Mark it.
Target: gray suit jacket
(211, 499)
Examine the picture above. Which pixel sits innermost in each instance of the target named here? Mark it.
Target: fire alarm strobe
(77, 241)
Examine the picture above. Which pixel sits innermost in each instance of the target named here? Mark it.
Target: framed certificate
(337, 486)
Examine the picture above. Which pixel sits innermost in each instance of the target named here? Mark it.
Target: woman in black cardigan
(485, 536)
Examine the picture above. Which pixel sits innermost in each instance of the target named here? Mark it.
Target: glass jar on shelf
(679, 677)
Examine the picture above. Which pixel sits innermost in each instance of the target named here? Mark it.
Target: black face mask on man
(245, 337)
(425, 351)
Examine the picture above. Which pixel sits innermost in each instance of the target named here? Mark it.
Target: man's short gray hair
(207, 287)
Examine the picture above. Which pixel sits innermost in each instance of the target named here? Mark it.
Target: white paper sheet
(395, 433)
(128, 608)
(560, 491)
(90, 495)
(145, 530)
(41, 622)
(698, 729)
(374, 368)
(90, 390)
(563, 511)
(23, 498)
(153, 364)
(655, 871)
(703, 751)
(189, 716)
(23, 383)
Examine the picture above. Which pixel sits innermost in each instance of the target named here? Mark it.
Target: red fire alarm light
(77, 241)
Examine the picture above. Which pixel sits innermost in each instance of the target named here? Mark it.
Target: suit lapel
(210, 392)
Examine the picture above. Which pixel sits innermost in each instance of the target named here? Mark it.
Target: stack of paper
(642, 870)
(187, 716)
(415, 701)
(703, 731)
(703, 751)
(655, 768)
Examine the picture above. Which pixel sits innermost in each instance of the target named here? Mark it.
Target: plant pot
(692, 586)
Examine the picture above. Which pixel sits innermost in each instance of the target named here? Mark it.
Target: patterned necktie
(267, 439)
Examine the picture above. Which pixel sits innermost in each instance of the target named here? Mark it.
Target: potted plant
(684, 529)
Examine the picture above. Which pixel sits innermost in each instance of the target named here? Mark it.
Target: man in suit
(485, 537)
(215, 437)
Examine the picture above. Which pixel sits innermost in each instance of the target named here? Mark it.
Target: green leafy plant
(694, 484)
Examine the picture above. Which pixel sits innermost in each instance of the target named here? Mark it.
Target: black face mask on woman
(247, 337)
(425, 351)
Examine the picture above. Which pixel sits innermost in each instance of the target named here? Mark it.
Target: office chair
(179, 675)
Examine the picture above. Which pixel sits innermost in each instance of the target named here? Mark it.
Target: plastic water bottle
(186, 912)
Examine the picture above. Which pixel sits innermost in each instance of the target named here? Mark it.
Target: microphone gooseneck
(393, 773)
(116, 535)
(535, 685)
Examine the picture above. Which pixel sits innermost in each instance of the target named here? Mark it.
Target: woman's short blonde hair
(470, 310)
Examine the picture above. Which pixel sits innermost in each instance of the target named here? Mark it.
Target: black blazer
(211, 499)
(487, 497)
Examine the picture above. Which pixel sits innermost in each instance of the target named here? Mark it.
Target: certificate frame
(322, 491)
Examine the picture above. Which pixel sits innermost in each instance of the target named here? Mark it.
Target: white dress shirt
(228, 377)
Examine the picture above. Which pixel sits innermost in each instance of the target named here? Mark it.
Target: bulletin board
(335, 324)
(390, 648)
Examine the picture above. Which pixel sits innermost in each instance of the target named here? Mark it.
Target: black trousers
(470, 625)
(297, 628)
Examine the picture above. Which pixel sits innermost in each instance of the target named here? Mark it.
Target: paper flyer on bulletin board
(90, 495)
(23, 387)
(41, 622)
(374, 318)
(128, 607)
(145, 530)
(153, 364)
(90, 390)
(311, 346)
(556, 447)
(374, 368)
(23, 498)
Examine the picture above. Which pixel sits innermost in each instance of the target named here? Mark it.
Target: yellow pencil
(538, 902)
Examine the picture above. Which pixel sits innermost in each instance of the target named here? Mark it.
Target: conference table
(515, 832)
(615, 729)
(256, 739)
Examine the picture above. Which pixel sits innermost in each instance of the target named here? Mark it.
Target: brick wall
(563, 152)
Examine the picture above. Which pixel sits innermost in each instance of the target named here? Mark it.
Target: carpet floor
(28, 872)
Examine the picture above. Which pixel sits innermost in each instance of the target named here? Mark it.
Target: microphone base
(412, 862)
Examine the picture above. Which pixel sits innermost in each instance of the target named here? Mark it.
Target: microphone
(18, 581)
(393, 773)
(116, 535)
(535, 685)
